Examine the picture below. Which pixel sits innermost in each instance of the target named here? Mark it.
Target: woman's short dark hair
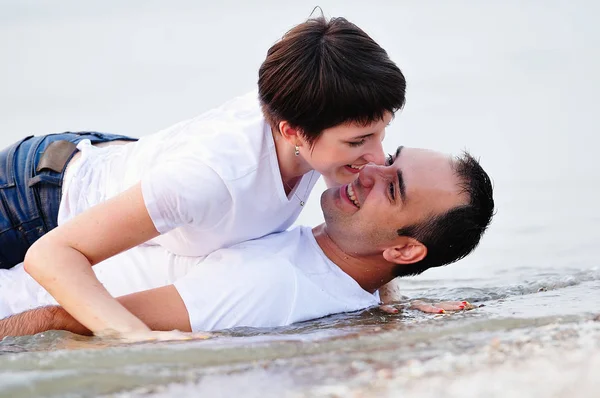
(323, 73)
(454, 234)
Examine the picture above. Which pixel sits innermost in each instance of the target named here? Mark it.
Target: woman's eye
(356, 143)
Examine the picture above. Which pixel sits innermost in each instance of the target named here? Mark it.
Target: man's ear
(408, 252)
(291, 134)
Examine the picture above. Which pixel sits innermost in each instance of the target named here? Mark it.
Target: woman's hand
(147, 336)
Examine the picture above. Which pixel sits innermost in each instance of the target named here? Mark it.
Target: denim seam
(9, 214)
(30, 195)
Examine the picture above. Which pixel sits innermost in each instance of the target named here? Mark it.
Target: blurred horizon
(512, 82)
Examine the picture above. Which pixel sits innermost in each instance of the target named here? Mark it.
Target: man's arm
(39, 320)
(391, 292)
(160, 309)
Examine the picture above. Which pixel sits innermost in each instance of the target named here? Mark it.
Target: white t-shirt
(273, 281)
(209, 182)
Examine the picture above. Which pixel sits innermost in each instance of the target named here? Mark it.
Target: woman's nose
(375, 153)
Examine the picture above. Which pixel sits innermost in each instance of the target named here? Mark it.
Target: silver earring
(297, 151)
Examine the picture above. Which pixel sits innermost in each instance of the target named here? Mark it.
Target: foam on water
(497, 287)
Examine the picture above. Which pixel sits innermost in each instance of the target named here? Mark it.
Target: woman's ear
(409, 252)
(291, 134)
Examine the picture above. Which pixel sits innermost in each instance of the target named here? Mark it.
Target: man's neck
(291, 167)
(369, 272)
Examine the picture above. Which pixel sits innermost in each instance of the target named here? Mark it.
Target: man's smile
(347, 192)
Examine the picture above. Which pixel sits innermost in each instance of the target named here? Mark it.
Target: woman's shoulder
(232, 140)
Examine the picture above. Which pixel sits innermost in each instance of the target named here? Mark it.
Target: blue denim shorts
(30, 198)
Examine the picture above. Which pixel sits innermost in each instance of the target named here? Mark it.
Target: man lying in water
(422, 210)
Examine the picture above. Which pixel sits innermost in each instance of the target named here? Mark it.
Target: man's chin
(331, 212)
(327, 198)
(327, 209)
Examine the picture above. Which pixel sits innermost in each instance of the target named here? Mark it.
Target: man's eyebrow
(401, 185)
(398, 152)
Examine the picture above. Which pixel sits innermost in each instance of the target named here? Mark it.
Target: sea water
(516, 83)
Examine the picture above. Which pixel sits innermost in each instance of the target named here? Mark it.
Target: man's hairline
(430, 217)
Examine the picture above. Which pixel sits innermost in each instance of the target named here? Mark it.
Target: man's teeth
(352, 196)
(357, 167)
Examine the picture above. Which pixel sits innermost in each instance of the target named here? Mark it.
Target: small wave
(545, 282)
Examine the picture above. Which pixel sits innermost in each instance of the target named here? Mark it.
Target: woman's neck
(291, 167)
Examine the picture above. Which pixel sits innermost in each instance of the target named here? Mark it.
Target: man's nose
(368, 174)
(375, 153)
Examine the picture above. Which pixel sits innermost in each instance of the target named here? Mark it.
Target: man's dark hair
(454, 234)
(324, 73)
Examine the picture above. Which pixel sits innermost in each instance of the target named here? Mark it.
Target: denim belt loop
(46, 178)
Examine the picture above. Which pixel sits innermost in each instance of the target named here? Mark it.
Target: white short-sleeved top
(209, 182)
(277, 280)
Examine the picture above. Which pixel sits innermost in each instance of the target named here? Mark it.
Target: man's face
(362, 217)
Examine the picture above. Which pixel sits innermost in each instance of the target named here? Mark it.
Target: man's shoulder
(277, 250)
(240, 287)
(274, 254)
(269, 261)
(277, 244)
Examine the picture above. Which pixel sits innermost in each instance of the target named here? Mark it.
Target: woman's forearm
(68, 276)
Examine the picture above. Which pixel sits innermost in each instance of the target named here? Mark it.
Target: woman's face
(343, 150)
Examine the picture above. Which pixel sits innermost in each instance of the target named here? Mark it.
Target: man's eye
(389, 160)
(392, 191)
(356, 143)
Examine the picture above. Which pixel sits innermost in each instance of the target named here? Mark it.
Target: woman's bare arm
(61, 260)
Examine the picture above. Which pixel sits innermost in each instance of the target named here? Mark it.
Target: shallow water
(515, 83)
(361, 354)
